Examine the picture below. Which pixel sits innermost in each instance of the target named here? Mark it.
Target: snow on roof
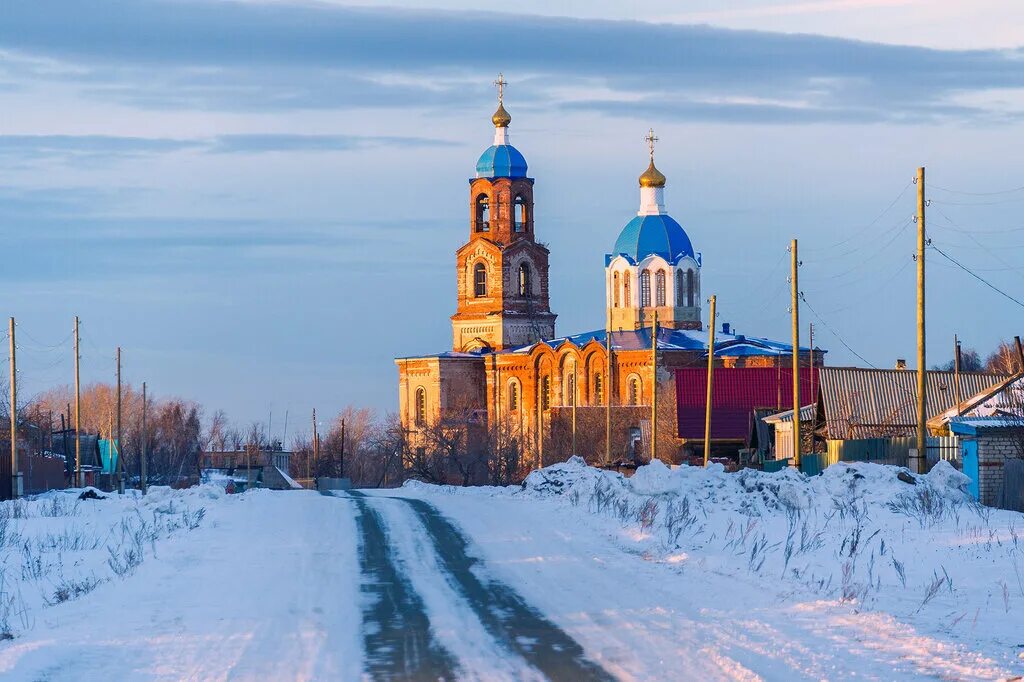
(730, 345)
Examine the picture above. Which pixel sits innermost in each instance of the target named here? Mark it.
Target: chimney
(726, 327)
(901, 363)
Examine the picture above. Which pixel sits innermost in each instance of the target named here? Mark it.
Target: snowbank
(860, 538)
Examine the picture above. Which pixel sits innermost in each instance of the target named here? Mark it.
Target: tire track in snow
(454, 623)
(397, 638)
(505, 614)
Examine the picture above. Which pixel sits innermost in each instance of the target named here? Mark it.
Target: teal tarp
(108, 448)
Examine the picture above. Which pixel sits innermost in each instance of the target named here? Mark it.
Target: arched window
(520, 214)
(615, 290)
(421, 406)
(634, 391)
(680, 289)
(483, 213)
(479, 280)
(690, 292)
(570, 388)
(525, 286)
(645, 289)
(659, 288)
(598, 389)
(627, 294)
(513, 396)
(545, 393)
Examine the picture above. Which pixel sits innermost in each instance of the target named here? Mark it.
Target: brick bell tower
(502, 271)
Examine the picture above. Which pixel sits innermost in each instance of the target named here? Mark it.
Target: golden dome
(652, 177)
(501, 117)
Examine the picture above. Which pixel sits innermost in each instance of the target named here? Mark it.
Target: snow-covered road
(434, 583)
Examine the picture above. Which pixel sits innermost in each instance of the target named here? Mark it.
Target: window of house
(513, 396)
(525, 287)
(570, 388)
(520, 214)
(598, 389)
(645, 289)
(680, 288)
(545, 393)
(690, 293)
(480, 280)
(421, 406)
(483, 213)
(659, 288)
(627, 294)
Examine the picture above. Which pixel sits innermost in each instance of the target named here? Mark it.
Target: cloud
(231, 55)
(90, 149)
(259, 143)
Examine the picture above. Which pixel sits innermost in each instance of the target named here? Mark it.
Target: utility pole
(654, 387)
(78, 410)
(956, 371)
(794, 279)
(608, 388)
(145, 435)
(15, 475)
(917, 460)
(120, 461)
(573, 398)
(711, 370)
(316, 450)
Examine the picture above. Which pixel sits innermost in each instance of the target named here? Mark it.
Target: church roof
(501, 161)
(726, 345)
(658, 234)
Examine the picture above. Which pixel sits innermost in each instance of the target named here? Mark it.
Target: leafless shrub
(931, 589)
(57, 507)
(71, 539)
(678, 518)
(922, 505)
(69, 590)
(8, 533)
(645, 514)
(192, 519)
(32, 565)
(900, 571)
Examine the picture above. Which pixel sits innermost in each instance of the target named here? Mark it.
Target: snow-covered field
(672, 574)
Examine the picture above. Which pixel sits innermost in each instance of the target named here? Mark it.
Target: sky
(260, 201)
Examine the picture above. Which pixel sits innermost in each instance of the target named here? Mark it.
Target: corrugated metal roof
(874, 403)
(1006, 397)
(806, 414)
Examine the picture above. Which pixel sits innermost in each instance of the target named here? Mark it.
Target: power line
(977, 194)
(975, 275)
(868, 225)
(834, 332)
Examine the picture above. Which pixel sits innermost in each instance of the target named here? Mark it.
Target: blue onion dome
(501, 161)
(659, 234)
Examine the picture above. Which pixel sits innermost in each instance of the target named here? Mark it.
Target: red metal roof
(737, 391)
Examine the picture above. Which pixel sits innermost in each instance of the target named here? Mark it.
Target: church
(507, 369)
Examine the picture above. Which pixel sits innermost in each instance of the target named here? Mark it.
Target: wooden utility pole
(316, 450)
(120, 460)
(15, 475)
(654, 388)
(795, 281)
(78, 410)
(145, 437)
(573, 398)
(956, 372)
(608, 387)
(711, 375)
(918, 461)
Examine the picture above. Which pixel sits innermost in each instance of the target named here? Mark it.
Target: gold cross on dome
(651, 139)
(501, 83)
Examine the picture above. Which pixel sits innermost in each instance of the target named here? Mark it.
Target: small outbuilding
(992, 452)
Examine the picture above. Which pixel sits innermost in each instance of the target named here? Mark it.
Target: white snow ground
(673, 574)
